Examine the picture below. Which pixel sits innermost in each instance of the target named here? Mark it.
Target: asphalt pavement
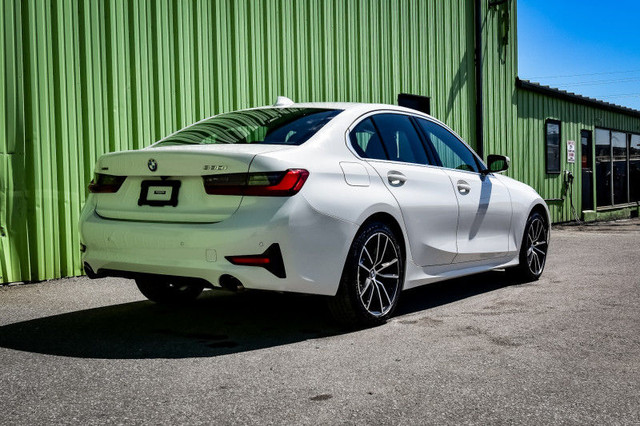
(478, 350)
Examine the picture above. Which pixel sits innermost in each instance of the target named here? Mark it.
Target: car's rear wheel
(371, 280)
(533, 251)
(168, 291)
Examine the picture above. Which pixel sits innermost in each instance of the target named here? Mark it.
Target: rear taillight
(274, 184)
(106, 183)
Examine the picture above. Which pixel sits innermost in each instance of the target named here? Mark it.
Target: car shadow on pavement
(218, 323)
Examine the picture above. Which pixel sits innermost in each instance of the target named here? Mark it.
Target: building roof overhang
(575, 98)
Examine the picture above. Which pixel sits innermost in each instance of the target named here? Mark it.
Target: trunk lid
(165, 184)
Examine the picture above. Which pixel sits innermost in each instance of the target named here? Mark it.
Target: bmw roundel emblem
(152, 164)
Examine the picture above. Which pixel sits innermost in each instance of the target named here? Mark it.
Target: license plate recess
(159, 193)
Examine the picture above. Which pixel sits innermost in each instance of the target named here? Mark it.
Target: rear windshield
(271, 126)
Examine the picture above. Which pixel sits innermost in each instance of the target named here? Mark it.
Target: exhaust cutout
(230, 283)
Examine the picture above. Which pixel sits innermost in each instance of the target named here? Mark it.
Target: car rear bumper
(313, 246)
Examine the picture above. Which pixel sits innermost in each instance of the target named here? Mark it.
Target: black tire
(533, 250)
(371, 283)
(169, 291)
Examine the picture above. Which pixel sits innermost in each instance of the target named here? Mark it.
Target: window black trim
(548, 170)
(375, 126)
(431, 151)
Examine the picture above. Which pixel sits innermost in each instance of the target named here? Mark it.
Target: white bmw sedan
(354, 201)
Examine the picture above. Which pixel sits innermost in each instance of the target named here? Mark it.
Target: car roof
(354, 109)
(350, 106)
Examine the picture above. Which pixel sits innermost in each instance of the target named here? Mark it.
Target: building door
(587, 170)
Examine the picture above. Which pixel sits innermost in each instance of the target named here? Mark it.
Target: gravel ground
(478, 350)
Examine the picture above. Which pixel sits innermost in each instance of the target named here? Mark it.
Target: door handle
(463, 187)
(396, 178)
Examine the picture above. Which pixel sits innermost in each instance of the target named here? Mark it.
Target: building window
(617, 167)
(552, 145)
(603, 167)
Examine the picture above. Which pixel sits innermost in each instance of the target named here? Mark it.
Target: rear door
(391, 144)
(484, 217)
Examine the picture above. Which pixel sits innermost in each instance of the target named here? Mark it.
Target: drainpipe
(479, 108)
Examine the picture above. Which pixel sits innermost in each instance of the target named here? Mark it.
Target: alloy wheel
(537, 244)
(378, 274)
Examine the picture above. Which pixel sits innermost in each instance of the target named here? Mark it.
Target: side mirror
(496, 164)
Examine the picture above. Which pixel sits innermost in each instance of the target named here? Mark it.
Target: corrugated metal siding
(529, 151)
(80, 78)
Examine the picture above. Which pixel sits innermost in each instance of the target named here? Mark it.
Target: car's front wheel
(372, 278)
(533, 250)
(168, 291)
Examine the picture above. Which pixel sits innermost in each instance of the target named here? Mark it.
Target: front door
(484, 203)
(484, 217)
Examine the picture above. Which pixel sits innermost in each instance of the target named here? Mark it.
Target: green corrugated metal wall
(80, 78)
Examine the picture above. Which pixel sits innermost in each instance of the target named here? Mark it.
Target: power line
(621, 95)
(583, 75)
(600, 82)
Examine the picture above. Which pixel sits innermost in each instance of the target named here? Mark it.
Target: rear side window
(270, 126)
(366, 141)
(451, 152)
(400, 138)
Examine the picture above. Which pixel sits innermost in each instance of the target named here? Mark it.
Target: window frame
(547, 168)
(628, 136)
(431, 155)
(370, 115)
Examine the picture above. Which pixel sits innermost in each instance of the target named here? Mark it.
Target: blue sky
(587, 47)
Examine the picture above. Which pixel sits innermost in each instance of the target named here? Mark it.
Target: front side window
(271, 126)
(552, 146)
(451, 153)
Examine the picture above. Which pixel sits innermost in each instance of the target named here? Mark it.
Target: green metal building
(82, 77)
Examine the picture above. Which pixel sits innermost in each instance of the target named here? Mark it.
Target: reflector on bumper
(271, 260)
